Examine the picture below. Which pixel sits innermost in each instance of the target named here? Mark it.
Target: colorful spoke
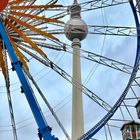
(32, 42)
(17, 25)
(18, 21)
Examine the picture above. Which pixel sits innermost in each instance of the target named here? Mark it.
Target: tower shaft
(77, 104)
(76, 31)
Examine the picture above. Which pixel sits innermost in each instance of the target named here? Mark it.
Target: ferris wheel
(69, 69)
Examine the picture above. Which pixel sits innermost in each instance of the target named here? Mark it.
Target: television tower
(76, 30)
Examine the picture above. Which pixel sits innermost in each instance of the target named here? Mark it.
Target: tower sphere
(3, 4)
(76, 28)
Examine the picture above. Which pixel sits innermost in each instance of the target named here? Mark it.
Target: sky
(104, 81)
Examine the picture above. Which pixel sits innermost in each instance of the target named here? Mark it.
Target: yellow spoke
(33, 28)
(36, 17)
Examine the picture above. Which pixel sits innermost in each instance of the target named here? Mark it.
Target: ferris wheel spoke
(97, 4)
(106, 61)
(19, 14)
(133, 98)
(108, 126)
(112, 30)
(128, 110)
(50, 46)
(128, 105)
(99, 59)
(135, 84)
(136, 81)
(37, 9)
(33, 12)
(91, 56)
(102, 30)
(37, 38)
(27, 4)
(37, 23)
(31, 38)
(47, 103)
(123, 117)
(44, 29)
(17, 51)
(107, 117)
(42, 44)
(60, 15)
(25, 57)
(33, 28)
(120, 120)
(32, 23)
(56, 31)
(66, 76)
(130, 102)
(52, 2)
(28, 40)
(45, 7)
(133, 92)
(16, 2)
(122, 114)
(105, 132)
(7, 82)
(23, 44)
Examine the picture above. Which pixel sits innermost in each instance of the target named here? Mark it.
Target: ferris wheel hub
(3, 4)
(75, 27)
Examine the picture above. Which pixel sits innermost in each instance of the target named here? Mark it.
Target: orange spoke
(2, 63)
(36, 6)
(36, 17)
(15, 2)
(33, 28)
(17, 51)
(30, 42)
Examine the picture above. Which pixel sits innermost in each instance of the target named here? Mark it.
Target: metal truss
(96, 4)
(106, 61)
(47, 103)
(103, 30)
(89, 56)
(91, 5)
(66, 76)
(112, 30)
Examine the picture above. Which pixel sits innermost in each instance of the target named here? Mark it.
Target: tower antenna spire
(75, 2)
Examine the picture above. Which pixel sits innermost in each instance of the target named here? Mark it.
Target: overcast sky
(105, 82)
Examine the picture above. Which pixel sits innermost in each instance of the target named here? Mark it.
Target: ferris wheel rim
(135, 60)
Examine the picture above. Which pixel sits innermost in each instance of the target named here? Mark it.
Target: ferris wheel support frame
(44, 129)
